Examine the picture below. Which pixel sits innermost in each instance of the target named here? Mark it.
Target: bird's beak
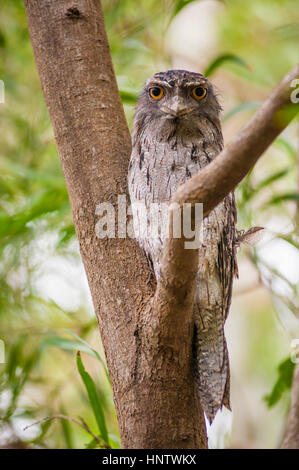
(176, 108)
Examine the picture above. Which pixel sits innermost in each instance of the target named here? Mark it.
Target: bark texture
(150, 371)
(146, 332)
(291, 437)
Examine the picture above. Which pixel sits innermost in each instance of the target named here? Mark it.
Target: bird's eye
(199, 92)
(156, 92)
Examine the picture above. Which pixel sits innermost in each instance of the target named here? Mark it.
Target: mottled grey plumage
(173, 137)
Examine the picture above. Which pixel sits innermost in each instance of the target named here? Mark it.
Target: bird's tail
(211, 363)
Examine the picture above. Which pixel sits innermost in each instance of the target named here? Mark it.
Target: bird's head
(177, 98)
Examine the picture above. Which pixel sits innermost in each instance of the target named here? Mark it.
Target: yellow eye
(199, 92)
(156, 92)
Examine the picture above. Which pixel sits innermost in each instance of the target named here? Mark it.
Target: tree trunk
(154, 393)
(146, 333)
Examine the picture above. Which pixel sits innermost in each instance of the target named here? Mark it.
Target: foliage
(283, 383)
(39, 379)
(262, 32)
(94, 400)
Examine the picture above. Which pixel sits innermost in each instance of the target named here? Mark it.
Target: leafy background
(46, 314)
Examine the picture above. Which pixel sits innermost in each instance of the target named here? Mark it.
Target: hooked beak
(176, 108)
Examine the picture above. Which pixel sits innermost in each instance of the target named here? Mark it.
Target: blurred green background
(46, 313)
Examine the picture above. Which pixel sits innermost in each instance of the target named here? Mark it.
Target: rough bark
(153, 389)
(291, 437)
(146, 333)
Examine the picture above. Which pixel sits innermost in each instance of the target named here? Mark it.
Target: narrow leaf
(93, 444)
(282, 198)
(283, 383)
(128, 97)
(67, 345)
(241, 108)
(274, 177)
(92, 351)
(93, 399)
(67, 430)
(287, 147)
(222, 60)
(179, 5)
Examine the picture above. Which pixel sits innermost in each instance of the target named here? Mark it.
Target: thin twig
(81, 423)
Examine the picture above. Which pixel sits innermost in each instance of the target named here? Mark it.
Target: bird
(176, 132)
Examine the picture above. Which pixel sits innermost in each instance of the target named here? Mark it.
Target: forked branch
(219, 178)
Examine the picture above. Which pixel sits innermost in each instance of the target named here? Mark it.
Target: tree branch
(217, 180)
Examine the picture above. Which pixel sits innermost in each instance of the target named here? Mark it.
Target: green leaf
(287, 147)
(282, 198)
(14, 358)
(66, 234)
(44, 429)
(31, 175)
(274, 177)
(92, 351)
(179, 5)
(222, 60)
(93, 444)
(249, 192)
(19, 380)
(283, 383)
(68, 345)
(115, 439)
(241, 108)
(67, 430)
(2, 40)
(94, 400)
(287, 32)
(128, 97)
(39, 205)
